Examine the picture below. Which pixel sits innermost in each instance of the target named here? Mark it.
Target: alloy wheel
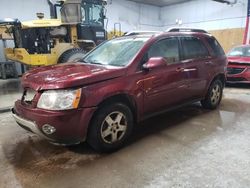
(113, 127)
(216, 94)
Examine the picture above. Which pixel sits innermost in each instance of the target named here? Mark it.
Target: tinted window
(216, 48)
(167, 48)
(193, 48)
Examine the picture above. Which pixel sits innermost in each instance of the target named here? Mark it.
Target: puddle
(33, 153)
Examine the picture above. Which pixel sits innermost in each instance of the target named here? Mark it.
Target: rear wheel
(214, 95)
(110, 128)
(70, 55)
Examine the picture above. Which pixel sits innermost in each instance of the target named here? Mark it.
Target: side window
(193, 48)
(216, 48)
(168, 48)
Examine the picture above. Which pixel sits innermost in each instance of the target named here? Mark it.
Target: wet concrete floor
(189, 147)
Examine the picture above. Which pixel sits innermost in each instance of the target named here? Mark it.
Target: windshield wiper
(95, 62)
(90, 62)
(82, 61)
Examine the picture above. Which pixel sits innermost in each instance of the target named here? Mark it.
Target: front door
(164, 87)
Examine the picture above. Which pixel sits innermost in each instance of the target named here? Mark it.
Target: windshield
(243, 51)
(92, 14)
(117, 52)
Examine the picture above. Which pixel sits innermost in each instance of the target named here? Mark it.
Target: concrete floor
(190, 147)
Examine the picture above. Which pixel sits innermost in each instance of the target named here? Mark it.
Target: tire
(70, 55)
(214, 95)
(110, 128)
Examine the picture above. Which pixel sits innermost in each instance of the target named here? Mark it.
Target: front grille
(236, 79)
(232, 70)
(28, 96)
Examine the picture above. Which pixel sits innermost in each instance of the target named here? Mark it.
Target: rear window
(193, 48)
(216, 47)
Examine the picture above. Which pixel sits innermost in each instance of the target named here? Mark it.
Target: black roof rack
(131, 33)
(186, 30)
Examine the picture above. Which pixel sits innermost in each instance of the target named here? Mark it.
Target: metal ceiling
(160, 3)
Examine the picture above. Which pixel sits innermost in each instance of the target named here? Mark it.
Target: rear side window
(168, 48)
(193, 48)
(216, 47)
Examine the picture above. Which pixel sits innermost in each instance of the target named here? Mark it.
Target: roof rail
(186, 30)
(131, 33)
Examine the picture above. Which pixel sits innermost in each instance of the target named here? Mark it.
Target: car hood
(69, 75)
(240, 60)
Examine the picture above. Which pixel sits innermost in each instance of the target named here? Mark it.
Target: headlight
(59, 99)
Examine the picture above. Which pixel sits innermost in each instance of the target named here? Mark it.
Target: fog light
(48, 129)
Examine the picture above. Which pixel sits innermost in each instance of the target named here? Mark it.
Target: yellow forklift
(45, 42)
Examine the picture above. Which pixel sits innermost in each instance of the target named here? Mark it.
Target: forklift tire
(71, 55)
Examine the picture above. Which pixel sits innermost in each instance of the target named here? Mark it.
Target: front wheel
(214, 95)
(110, 127)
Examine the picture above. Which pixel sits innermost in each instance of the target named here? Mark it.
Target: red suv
(238, 70)
(99, 98)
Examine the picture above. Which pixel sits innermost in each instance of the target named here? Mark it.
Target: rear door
(163, 87)
(218, 60)
(195, 57)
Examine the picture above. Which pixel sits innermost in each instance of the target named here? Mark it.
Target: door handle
(209, 63)
(180, 69)
(189, 70)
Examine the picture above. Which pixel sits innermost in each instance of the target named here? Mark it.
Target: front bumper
(239, 80)
(242, 77)
(70, 125)
(28, 125)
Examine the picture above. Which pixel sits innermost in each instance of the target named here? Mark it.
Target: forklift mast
(88, 17)
(78, 11)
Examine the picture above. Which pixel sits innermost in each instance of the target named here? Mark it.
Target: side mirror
(155, 62)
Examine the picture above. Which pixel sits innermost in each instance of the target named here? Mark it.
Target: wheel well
(122, 98)
(222, 78)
